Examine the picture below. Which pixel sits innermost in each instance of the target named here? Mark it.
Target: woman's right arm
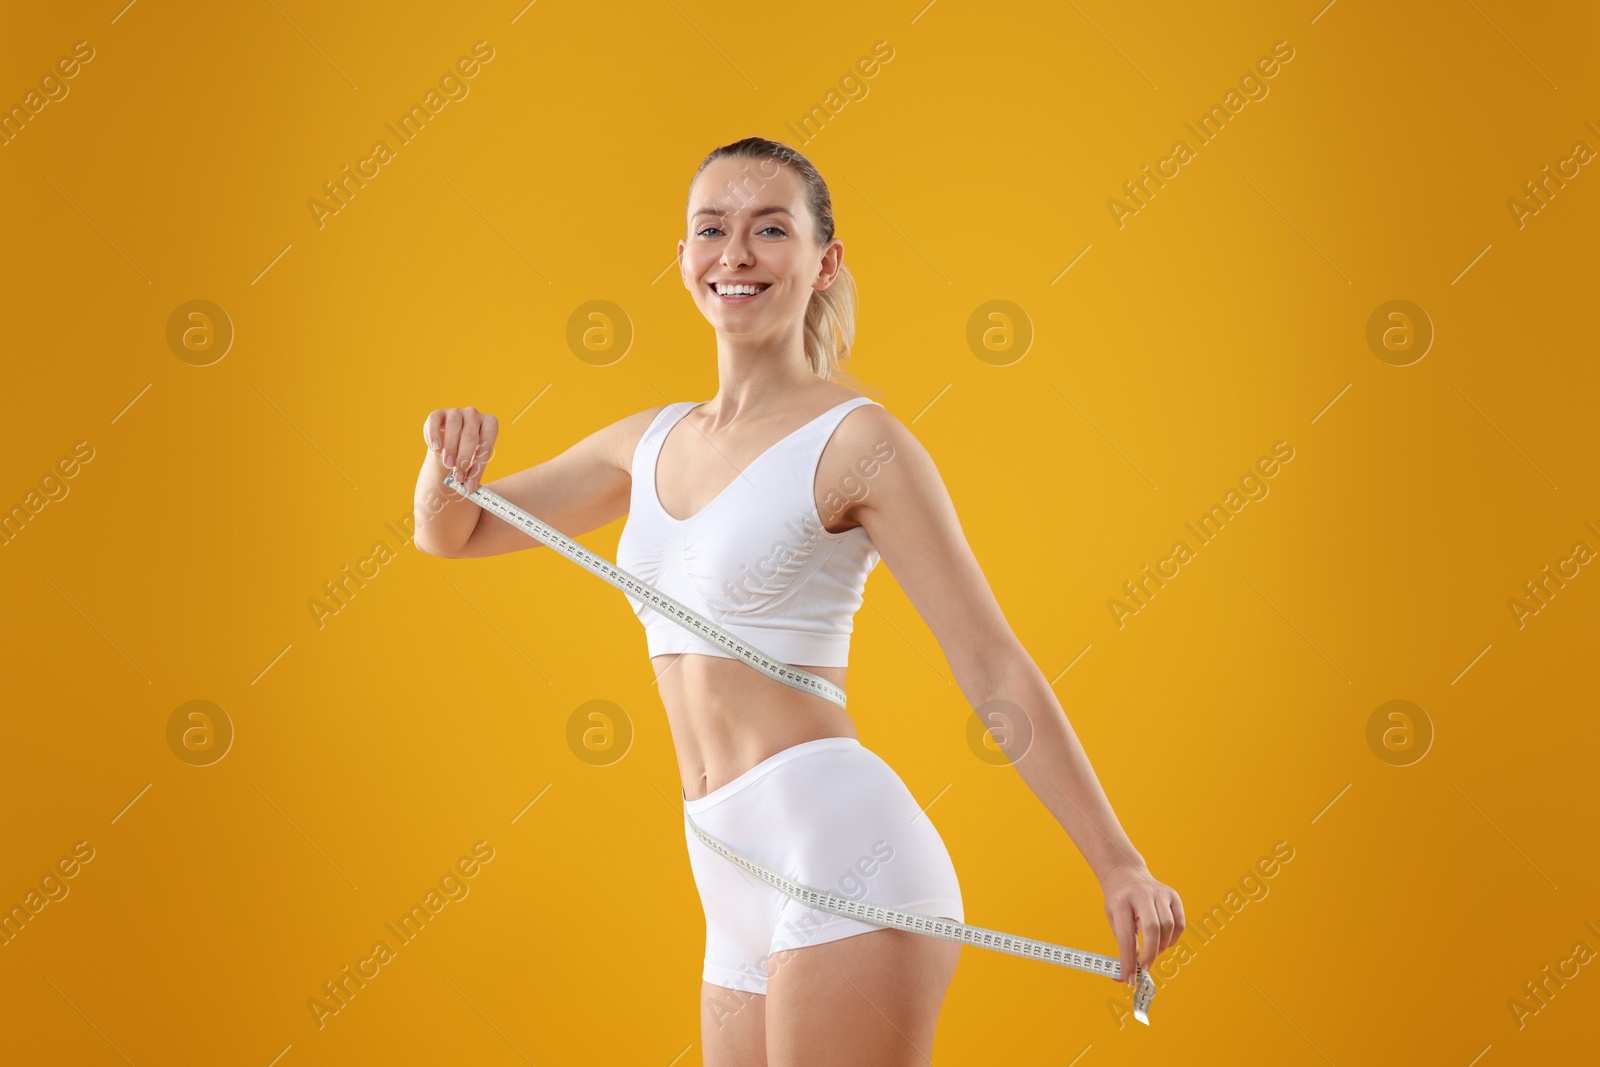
(582, 489)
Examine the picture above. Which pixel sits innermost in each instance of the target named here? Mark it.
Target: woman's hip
(829, 814)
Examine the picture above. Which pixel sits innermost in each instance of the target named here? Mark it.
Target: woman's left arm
(908, 513)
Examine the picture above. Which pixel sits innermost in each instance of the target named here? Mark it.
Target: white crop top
(756, 560)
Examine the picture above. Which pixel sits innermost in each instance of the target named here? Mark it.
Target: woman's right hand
(464, 440)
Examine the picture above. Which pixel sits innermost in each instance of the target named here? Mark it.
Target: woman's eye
(712, 229)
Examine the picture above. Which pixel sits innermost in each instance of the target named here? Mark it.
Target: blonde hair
(830, 324)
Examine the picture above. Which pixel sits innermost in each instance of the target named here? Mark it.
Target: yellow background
(1228, 314)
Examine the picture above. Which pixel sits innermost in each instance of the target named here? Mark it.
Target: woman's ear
(832, 260)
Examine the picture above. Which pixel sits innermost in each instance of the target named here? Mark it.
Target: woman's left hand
(1137, 903)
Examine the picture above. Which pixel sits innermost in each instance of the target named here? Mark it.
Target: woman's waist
(691, 680)
(756, 760)
(726, 717)
(715, 745)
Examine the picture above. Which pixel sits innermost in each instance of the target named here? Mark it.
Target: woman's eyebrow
(773, 209)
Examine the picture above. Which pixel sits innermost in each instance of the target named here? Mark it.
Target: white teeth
(737, 290)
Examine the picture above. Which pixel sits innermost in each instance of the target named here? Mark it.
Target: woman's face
(749, 225)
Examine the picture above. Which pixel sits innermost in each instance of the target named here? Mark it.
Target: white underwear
(827, 813)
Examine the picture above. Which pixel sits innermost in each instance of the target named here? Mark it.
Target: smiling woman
(757, 179)
(774, 774)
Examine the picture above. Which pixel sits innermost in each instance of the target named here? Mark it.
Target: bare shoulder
(620, 440)
(874, 429)
(870, 453)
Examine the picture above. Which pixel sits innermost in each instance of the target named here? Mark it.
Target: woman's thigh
(873, 998)
(840, 991)
(732, 1027)
(833, 816)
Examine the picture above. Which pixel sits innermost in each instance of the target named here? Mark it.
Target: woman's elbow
(428, 547)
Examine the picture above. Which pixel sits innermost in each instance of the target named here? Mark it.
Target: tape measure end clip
(1144, 991)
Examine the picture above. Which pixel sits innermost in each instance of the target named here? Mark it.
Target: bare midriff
(726, 716)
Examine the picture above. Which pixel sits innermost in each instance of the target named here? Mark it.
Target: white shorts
(829, 814)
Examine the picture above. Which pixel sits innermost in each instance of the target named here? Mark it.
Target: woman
(764, 509)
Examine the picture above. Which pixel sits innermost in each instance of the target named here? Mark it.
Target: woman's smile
(737, 292)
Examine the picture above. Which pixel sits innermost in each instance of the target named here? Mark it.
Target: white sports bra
(756, 560)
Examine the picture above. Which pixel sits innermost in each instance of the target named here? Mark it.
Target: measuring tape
(877, 915)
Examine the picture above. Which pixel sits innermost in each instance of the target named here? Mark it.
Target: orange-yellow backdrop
(1170, 343)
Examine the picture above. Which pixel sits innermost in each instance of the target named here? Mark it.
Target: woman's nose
(736, 251)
